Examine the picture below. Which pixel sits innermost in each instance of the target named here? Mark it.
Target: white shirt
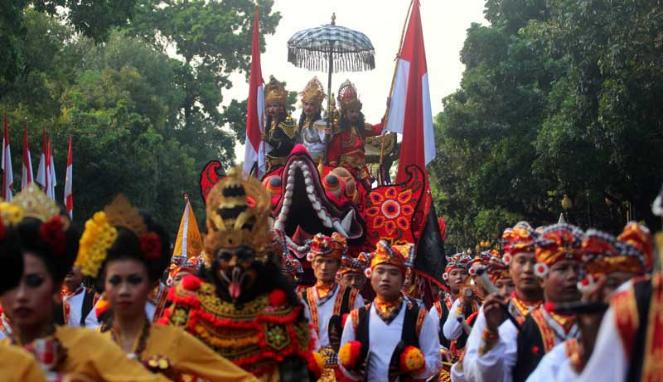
(608, 361)
(495, 365)
(76, 308)
(383, 339)
(452, 329)
(325, 312)
(555, 366)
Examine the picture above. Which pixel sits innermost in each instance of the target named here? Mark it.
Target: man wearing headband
(327, 301)
(609, 262)
(392, 338)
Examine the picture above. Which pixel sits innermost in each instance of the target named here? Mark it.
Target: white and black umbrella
(331, 48)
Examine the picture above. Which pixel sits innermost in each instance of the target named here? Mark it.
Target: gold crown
(35, 204)
(120, 213)
(275, 92)
(314, 92)
(238, 209)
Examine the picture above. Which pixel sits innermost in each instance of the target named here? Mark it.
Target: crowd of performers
(110, 303)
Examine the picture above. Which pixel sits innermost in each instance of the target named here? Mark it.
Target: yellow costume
(91, 356)
(184, 354)
(17, 365)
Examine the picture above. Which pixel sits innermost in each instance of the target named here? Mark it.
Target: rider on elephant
(315, 134)
(281, 132)
(346, 148)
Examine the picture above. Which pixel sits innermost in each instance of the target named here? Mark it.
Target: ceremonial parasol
(331, 48)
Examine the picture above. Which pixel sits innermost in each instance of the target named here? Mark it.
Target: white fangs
(342, 226)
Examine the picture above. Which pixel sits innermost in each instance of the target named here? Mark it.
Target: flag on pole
(42, 177)
(254, 151)
(46, 170)
(26, 171)
(52, 182)
(410, 111)
(189, 242)
(68, 190)
(410, 114)
(7, 173)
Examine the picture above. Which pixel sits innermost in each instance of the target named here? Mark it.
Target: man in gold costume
(313, 129)
(281, 132)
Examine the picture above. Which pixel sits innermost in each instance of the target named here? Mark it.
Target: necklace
(139, 343)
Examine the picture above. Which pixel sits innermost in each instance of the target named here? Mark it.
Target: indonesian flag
(254, 151)
(68, 189)
(26, 171)
(410, 110)
(7, 173)
(46, 170)
(52, 182)
(189, 242)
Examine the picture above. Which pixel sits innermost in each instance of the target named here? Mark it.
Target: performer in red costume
(346, 148)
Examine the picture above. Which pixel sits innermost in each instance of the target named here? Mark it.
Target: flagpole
(391, 88)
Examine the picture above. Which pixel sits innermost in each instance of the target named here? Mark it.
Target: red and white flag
(68, 190)
(7, 173)
(26, 171)
(254, 147)
(46, 170)
(410, 111)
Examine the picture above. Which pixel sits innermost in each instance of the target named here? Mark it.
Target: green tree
(557, 98)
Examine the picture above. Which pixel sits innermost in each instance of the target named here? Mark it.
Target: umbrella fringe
(317, 60)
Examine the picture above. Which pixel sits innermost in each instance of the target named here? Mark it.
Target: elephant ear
(209, 176)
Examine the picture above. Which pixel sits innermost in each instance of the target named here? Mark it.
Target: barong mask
(238, 239)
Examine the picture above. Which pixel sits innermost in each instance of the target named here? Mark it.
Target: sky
(445, 24)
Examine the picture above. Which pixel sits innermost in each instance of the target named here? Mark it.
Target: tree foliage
(558, 97)
(139, 93)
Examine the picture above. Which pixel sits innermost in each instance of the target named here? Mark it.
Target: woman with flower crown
(16, 364)
(128, 252)
(34, 229)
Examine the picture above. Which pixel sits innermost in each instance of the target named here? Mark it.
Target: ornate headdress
(351, 264)
(35, 204)
(275, 92)
(557, 242)
(313, 92)
(398, 255)
(519, 238)
(481, 260)
(497, 269)
(238, 209)
(458, 261)
(101, 232)
(639, 238)
(347, 96)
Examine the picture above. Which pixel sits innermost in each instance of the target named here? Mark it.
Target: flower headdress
(35, 204)
(333, 246)
(101, 232)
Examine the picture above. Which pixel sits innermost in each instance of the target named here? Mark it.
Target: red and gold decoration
(457, 261)
(517, 239)
(275, 92)
(313, 92)
(412, 360)
(238, 209)
(348, 98)
(397, 255)
(256, 336)
(349, 355)
(556, 243)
